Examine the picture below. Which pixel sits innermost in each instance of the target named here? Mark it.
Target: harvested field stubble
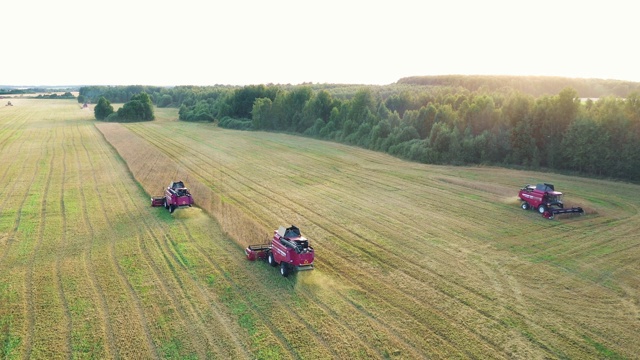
(424, 260)
(413, 261)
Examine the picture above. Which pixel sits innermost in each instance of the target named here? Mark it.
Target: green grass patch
(603, 351)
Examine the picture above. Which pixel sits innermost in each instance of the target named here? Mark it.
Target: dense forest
(447, 123)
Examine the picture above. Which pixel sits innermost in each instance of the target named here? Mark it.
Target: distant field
(413, 261)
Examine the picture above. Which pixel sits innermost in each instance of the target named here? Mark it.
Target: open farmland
(413, 261)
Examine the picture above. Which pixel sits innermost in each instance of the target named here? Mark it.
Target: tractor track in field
(168, 255)
(101, 300)
(28, 284)
(327, 230)
(121, 277)
(7, 196)
(61, 251)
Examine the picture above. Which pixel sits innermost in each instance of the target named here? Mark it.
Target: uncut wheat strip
(188, 321)
(131, 337)
(118, 134)
(167, 242)
(211, 202)
(284, 334)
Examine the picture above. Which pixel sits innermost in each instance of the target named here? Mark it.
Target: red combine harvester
(176, 195)
(545, 200)
(288, 248)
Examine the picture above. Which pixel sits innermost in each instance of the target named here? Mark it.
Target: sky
(242, 42)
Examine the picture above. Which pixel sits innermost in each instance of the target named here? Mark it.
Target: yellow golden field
(412, 260)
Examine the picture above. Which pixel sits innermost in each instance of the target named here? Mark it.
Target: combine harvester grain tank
(176, 196)
(288, 249)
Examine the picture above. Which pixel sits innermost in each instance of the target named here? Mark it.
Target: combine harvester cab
(176, 196)
(546, 200)
(288, 249)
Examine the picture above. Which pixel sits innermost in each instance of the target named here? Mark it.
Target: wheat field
(412, 260)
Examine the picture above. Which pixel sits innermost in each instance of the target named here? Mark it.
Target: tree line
(440, 124)
(532, 85)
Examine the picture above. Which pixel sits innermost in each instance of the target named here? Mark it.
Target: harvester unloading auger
(545, 200)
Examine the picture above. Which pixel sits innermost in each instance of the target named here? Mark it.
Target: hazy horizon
(288, 42)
